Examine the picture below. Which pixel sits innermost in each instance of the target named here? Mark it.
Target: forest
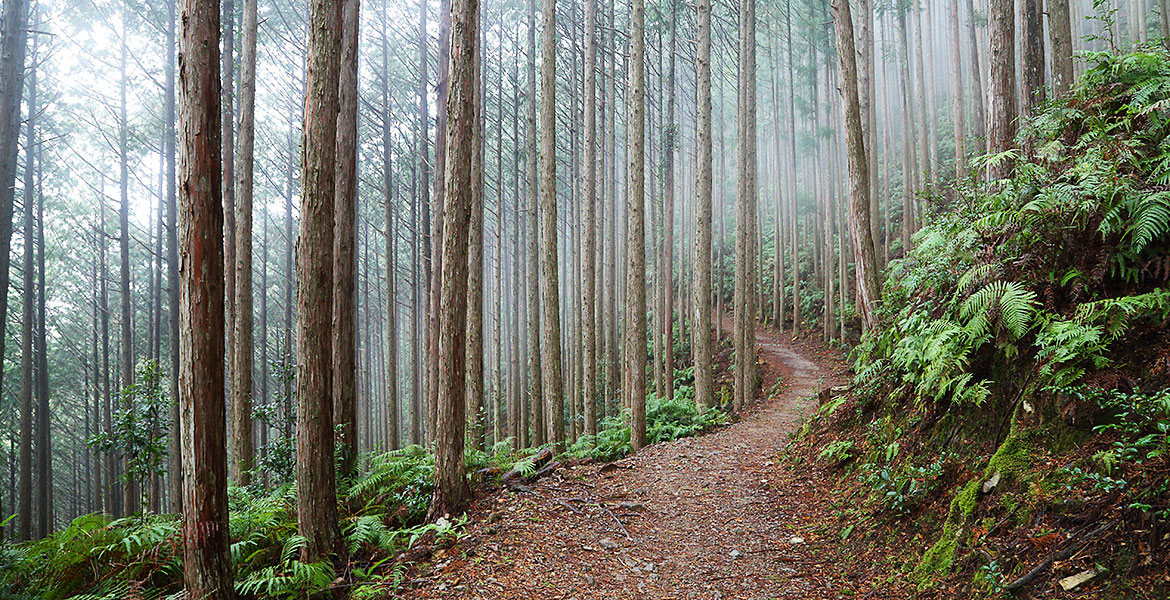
(584, 299)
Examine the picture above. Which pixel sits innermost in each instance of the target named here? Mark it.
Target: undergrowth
(998, 409)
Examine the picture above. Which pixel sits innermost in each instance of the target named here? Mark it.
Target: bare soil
(713, 516)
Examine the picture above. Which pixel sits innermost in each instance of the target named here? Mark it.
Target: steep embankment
(1007, 430)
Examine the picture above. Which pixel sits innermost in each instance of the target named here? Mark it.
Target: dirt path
(699, 518)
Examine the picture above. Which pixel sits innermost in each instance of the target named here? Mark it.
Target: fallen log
(537, 462)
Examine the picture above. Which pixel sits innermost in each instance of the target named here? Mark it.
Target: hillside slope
(1007, 426)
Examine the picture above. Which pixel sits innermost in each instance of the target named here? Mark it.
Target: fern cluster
(1051, 267)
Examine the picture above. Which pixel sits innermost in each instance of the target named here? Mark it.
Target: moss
(939, 558)
(1015, 455)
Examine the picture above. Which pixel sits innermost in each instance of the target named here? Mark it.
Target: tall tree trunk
(450, 491)
(241, 372)
(977, 95)
(227, 90)
(13, 42)
(550, 288)
(634, 373)
(475, 347)
(589, 227)
(176, 464)
(745, 339)
(424, 197)
(437, 227)
(1001, 124)
(206, 566)
(1032, 39)
(24, 504)
(668, 217)
(344, 246)
(957, 117)
(129, 489)
(1060, 37)
(316, 486)
(865, 260)
(792, 174)
(535, 385)
(44, 423)
(701, 327)
(390, 223)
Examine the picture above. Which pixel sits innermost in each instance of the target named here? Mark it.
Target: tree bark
(243, 447)
(957, 116)
(475, 347)
(1032, 38)
(535, 384)
(424, 198)
(589, 227)
(176, 464)
(745, 350)
(316, 486)
(393, 438)
(865, 261)
(634, 373)
(344, 246)
(24, 503)
(1001, 119)
(978, 99)
(450, 491)
(701, 327)
(667, 332)
(550, 288)
(129, 491)
(1060, 37)
(206, 566)
(13, 42)
(227, 90)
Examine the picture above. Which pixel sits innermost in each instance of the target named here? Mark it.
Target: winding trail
(696, 518)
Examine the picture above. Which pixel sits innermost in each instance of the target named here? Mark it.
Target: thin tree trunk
(701, 328)
(206, 565)
(977, 95)
(228, 74)
(668, 217)
(634, 373)
(865, 261)
(176, 468)
(24, 504)
(745, 209)
(535, 384)
(129, 489)
(243, 447)
(589, 282)
(474, 352)
(13, 42)
(344, 245)
(550, 291)
(957, 117)
(393, 437)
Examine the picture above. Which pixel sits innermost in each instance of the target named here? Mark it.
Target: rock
(990, 484)
(734, 554)
(1072, 581)
(650, 567)
(795, 540)
(588, 580)
(631, 505)
(608, 544)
